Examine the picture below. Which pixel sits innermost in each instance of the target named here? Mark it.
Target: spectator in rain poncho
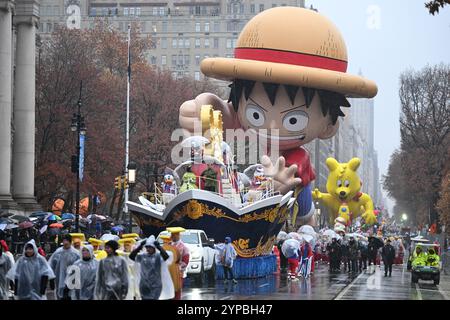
(112, 275)
(30, 274)
(5, 266)
(154, 270)
(88, 266)
(227, 257)
(60, 260)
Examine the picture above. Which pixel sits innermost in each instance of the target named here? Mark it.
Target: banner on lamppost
(81, 165)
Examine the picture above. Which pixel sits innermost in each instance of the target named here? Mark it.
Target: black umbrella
(378, 242)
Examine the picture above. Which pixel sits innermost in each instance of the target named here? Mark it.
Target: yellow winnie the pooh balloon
(344, 197)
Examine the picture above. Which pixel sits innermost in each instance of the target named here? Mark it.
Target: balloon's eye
(255, 115)
(295, 121)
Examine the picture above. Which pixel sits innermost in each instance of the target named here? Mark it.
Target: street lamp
(131, 182)
(404, 217)
(79, 127)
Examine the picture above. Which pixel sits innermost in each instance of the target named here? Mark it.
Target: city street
(326, 286)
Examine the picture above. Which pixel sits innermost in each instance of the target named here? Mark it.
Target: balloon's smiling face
(295, 122)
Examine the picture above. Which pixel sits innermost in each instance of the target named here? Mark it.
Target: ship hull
(252, 229)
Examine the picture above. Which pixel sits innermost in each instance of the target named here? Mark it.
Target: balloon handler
(288, 76)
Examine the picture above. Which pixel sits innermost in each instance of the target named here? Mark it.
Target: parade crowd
(115, 269)
(300, 251)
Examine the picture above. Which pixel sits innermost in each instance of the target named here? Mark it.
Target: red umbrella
(25, 225)
(56, 225)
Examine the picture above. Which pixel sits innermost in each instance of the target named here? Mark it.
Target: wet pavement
(370, 284)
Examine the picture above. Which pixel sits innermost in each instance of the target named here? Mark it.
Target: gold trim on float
(241, 247)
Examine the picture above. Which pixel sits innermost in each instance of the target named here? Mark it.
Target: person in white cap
(153, 264)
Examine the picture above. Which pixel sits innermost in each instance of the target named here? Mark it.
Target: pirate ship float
(212, 196)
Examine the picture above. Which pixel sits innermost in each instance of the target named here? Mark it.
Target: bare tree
(417, 169)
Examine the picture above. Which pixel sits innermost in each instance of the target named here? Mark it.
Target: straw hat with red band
(295, 46)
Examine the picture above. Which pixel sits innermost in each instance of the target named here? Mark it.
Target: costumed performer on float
(288, 77)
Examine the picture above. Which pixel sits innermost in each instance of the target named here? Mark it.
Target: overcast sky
(384, 38)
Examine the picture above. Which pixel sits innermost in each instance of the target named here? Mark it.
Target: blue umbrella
(117, 228)
(66, 216)
(53, 218)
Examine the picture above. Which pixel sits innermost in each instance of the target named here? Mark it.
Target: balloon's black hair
(331, 102)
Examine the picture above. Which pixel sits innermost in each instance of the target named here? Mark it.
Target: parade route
(368, 285)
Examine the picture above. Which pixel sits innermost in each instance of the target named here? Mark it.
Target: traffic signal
(74, 164)
(125, 182)
(118, 182)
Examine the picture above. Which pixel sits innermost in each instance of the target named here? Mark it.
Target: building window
(174, 43)
(138, 11)
(154, 27)
(197, 10)
(229, 43)
(261, 8)
(197, 59)
(132, 11)
(197, 75)
(94, 11)
(163, 60)
(241, 8)
(206, 56)
(187, 59)
(204, 10)
(187, 43)
(197, 43)
(180, 59)
(206, 42)
(174, 60)
(234, 43)
(252, 8)
(153, 60)
(229, 8)
(180, 43)
(164, 26)
(216, 26)
(191, 10)
(206, 26)
(164, 43)
(162, 11)
(216, 43)
(197, 27)
(155, 11)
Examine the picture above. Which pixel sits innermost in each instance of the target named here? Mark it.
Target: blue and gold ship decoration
(215, 198)
(254, 228)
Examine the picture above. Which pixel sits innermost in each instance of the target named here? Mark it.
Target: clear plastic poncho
(28, 272)
(60, 260)
(112, 279)
(88, 273)
(150, 284)
(5, 266)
